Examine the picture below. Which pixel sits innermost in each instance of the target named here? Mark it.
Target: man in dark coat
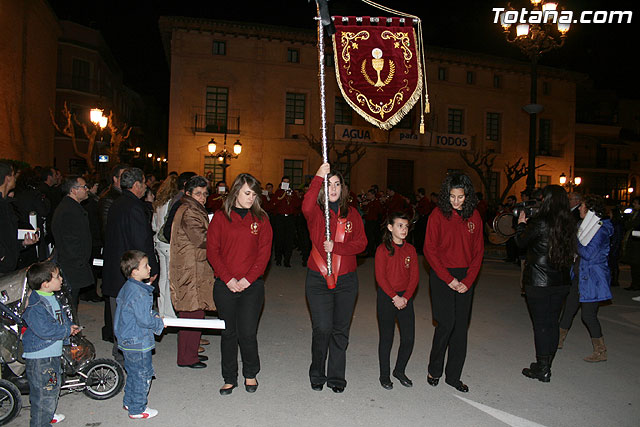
(9, 244)
(108, 197)
(128, 227)
(104, 204)
(72, 234)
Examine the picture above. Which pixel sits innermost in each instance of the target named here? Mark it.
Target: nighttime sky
(131, 29)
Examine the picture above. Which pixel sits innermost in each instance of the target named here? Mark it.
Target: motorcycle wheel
(106, 379)
(10, 402)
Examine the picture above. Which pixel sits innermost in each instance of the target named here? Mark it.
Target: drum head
(503, 225)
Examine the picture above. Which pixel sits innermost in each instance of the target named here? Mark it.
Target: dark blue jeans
(44, 389)
(139, 373)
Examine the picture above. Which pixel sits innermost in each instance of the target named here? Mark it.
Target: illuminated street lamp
(224, 155)
(150, 155)
(534, 40)
(569, 182)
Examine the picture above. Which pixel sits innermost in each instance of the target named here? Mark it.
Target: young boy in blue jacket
(134, 324)
(47, 329)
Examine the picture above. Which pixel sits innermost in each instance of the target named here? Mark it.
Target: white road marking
(505, 417)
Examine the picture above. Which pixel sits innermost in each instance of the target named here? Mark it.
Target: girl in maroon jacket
(397, 276)
(332, 297)
(239, 248)
(454, 247)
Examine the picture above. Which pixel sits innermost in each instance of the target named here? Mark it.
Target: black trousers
(304, 241)
(331, 312)
(387, 315)
(545, 305)
(372, 231)
(635, 276)
(284, 234)
(589, 312)
(240, 312)
(451, 311)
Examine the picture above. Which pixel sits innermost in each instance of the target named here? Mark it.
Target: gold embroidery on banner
(402, 41)
(382, 108)
(378, 65)
(347, 42)
(342, 46)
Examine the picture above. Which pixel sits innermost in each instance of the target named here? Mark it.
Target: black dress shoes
(227, 391)
(386, 383)
(316, 387)
(432, 381)
(403, 379)
(336, 389)
(197, 365)
(251, 388)
(202, 358)
(460, 386)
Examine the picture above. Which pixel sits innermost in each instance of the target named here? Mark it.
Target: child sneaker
(57, 418)
(148, 413)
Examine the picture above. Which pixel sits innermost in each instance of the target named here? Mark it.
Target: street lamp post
(570, 182)
(534, 40)
(100, 121)
(224, 155)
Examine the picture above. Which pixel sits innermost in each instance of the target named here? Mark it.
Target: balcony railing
(83, 84)
(553, 151)
(212, 123)
(614, 164)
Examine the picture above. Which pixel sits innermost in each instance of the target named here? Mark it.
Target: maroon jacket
(240, 247)
(355, 240)
(399, 272)
(454, 243)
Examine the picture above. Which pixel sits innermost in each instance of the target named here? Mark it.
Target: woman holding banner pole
(331, 297)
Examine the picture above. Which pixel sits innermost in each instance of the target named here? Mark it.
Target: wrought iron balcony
(213, 123)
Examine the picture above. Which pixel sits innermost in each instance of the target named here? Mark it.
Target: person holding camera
(550, 239)
(591, 275)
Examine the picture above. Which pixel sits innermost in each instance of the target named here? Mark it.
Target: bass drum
(503, 227)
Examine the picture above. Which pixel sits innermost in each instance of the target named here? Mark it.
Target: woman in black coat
(550, 239)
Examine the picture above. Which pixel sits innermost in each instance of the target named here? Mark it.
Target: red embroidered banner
(377, 68)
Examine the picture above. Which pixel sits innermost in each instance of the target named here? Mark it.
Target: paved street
(500, 345)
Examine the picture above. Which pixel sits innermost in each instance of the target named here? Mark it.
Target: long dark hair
(254, 184)
(387, 238)
(343, 201)
(457, 180)
(554, 211)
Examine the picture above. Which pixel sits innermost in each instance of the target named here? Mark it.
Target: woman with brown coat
(190, 272)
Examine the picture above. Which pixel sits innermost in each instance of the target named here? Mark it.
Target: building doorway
(400, 176)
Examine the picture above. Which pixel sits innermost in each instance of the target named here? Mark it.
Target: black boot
(540, 370)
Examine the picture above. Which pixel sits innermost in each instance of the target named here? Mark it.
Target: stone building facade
(258, 84)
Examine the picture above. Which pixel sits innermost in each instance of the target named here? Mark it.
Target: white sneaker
(636, 298)
(148, 413)
(57, 418)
